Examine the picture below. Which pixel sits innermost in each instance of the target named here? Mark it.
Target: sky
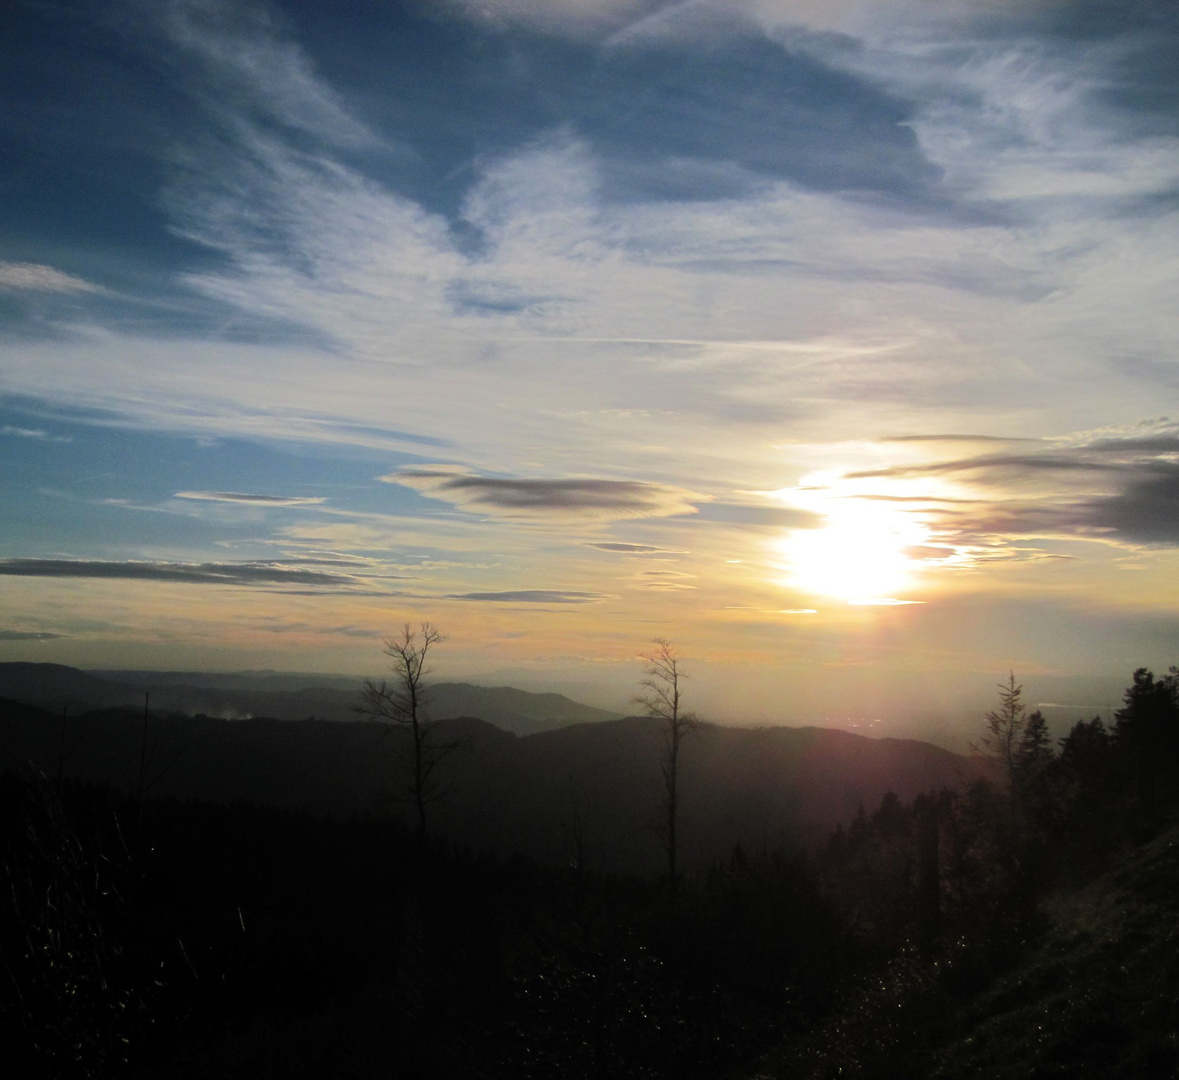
(834, 341)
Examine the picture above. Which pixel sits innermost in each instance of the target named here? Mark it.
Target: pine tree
(1005, 728)
(1034, 762)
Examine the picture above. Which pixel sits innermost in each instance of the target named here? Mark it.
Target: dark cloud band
(635, 549)
(531, 596)
(1119, 489)
(192, 573)
(549, 499)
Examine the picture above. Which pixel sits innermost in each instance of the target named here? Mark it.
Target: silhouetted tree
(1035, 745)
(1034, 773)
(402, 702)
(1004, 734)
(1086, 761)
(662, 701)
(929, 909)
(1147, 735)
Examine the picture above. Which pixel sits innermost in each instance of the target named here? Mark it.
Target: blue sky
(832, 339)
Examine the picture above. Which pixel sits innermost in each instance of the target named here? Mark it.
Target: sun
(860, 554)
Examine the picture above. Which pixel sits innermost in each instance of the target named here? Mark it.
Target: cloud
(311, 239)
(254, 500)
(31, 433)
(1147, 511)
(1117, 486)
(28, 635)
(247, 573)
(956, 438)
(275, 627)
(883, 601)
(628, 20)
(993, 464)
(760, 515)
(248, 62)
(684, 305)
(1163, 443)
(636, 549)
(532, 596)
(548, 500)
(572, 17)
(38, 278)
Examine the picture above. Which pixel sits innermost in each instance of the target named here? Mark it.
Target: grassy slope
(1099, 996)
(1096, 997)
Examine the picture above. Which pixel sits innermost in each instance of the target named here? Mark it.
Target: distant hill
(518, 711)
(56, 687)
(772, 787)
(282, 696)
(228, 680)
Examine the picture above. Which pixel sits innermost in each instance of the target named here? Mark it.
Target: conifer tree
(1004, 734)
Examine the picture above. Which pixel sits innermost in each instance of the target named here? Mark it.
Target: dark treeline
(145, 936)
(939, 896)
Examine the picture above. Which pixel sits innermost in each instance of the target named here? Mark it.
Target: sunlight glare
(860, 555)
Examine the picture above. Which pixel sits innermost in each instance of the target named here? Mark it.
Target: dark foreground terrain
(1023, 925)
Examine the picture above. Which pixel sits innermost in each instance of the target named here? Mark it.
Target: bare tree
(662, 701)
(402, 702)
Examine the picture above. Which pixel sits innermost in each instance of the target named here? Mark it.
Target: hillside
(1097, 997)
(1089, 994)
(243, 695)
(772, 787)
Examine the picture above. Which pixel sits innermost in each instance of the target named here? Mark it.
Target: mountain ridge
(237, 695)
(763, 788)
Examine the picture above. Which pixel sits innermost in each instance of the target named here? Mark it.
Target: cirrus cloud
(532, 596)
(39, 278)
(636, 549)
(252, 500)
(245, 573)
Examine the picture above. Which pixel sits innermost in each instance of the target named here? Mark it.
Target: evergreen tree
(1004, 734)
(1147, 737)
(1034, 772)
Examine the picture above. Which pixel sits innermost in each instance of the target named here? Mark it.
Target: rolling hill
(770, 787)
(243, 695)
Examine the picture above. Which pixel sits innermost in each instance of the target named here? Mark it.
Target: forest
(1016, 921)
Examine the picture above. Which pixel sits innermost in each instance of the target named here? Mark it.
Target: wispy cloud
(549, 499)
(604, 311)
(37, 278)
(956, 439)
(28, 635)
(245, 573)
(31, 433)
(993, 465)
(759, 515)
(1121, 487)
(252, 500)
(532, 596)
(250, 67)
(635, 549)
